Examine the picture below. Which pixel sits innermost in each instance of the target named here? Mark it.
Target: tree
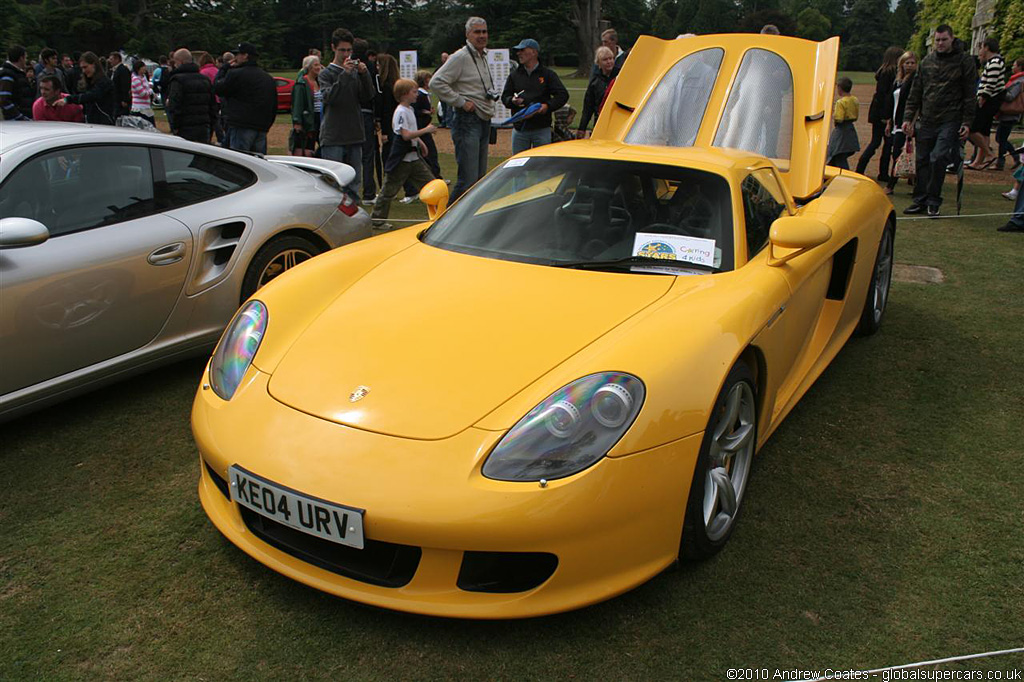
(813, 25)
(901, 24)
(584, 16)
(755, 21)
(866, 35)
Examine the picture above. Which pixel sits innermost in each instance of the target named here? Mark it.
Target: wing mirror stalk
(795, 232)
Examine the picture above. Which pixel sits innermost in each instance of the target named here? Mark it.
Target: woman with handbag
(307, 107)
(902, 149)
(1009, 115)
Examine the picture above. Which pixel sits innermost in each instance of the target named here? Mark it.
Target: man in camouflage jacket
(938, 114)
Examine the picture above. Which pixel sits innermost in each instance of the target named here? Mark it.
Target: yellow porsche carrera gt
(554, 389)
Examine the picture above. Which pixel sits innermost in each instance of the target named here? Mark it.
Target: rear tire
(723, 467)
(276, 256)
(881, 282)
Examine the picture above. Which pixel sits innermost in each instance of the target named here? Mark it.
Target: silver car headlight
(571, 430)
(237, 348)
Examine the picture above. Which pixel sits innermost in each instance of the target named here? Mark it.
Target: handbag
(1013, 106)
(906, 163)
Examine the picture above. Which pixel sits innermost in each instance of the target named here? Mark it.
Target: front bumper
(611, 527)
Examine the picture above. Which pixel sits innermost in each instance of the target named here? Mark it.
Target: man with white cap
(529, 84)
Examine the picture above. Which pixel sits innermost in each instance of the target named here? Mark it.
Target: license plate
(327, 520)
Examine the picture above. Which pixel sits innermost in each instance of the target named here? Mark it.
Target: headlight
(569, 431)
(237, 348)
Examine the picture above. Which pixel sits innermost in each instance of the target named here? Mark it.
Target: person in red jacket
(44, 109)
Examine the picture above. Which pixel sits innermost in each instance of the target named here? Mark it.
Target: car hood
(430, 341)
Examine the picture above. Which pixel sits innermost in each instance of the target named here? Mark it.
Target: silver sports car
(121, 249)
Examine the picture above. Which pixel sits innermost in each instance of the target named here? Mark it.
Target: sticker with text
(675, 247)
(514, 163)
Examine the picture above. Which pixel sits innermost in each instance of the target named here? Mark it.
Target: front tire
(723, 467)
(881, 282)
(276, 256)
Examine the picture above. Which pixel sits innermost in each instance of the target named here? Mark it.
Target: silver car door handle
(165, 255)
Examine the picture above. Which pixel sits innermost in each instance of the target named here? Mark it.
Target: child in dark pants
(404, 161)
(844, 143)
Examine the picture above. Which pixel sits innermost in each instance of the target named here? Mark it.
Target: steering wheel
(668, 228)
(619, 218)
(697, 214)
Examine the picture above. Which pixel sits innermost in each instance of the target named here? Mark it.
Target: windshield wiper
(631, 260)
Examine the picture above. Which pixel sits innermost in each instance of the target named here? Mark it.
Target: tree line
(567, 30)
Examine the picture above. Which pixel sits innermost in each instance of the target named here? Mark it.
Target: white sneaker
(1011, 195)
(370, 201)
(407, 200)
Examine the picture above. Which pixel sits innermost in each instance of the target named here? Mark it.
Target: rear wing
(334, 172)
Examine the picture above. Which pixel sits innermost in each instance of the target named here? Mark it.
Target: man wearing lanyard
(464, 83)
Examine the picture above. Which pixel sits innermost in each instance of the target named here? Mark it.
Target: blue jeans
(247, 140)
(528, 139)
(937, 147)
(352, 154)
(371, 155)
(471, 135)
(1018, 210)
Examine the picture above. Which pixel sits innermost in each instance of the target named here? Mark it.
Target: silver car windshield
(594, 213)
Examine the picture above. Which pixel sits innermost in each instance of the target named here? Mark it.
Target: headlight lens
(237, 348)
(570, 431)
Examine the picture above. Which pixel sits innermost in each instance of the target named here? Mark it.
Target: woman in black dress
(880, 114)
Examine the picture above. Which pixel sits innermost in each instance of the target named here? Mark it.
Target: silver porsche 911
(121, 249)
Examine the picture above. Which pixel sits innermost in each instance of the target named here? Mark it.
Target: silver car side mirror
(16, 233)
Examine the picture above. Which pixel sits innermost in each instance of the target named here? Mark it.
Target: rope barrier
(937, 661)
(965, 215)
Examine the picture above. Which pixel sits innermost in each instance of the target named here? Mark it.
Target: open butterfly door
(769, 95)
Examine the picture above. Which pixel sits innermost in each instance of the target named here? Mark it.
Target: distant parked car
(284, 92)
(120, 249)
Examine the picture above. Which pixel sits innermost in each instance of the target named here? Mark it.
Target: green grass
(882, 525)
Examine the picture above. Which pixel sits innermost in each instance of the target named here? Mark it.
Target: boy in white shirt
(404, 162)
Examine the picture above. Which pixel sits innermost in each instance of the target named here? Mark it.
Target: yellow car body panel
(430, 494)
(454, 349)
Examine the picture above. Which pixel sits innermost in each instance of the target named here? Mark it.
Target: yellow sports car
(554, 389)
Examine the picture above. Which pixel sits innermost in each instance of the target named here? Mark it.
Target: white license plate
(327, 520)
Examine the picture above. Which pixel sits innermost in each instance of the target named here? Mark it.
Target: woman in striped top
(142, 92)
(990, 96)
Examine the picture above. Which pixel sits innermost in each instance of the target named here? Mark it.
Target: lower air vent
(505, 572)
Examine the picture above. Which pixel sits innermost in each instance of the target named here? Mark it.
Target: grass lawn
(883, 525)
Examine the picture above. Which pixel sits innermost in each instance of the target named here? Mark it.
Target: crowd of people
(923, 112)
(355, 108)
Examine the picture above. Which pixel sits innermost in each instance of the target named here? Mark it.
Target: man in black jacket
(531, 83)
(16, 93)
(191, 108)
(939, 111)
(249, 100)
(121, 77)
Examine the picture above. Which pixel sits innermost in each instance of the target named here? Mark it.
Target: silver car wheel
(283, 261)
(883, 275)
(730, 455)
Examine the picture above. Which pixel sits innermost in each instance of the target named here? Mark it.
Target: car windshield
(594, 214)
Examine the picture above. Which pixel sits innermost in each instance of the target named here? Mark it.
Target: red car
(284, 92)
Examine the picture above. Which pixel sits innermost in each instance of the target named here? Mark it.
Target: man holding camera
(464, 83)
(346, 88)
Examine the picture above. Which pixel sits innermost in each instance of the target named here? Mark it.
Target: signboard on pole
(498, 63)
(408, 64)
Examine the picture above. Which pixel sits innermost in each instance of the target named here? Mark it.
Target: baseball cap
(247, 48)
(527, 42)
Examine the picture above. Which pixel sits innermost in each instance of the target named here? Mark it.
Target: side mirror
(16, 233)
(796, 232)
(435, 195)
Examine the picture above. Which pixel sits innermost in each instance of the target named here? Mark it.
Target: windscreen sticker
(515, 163)
(675, 247)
